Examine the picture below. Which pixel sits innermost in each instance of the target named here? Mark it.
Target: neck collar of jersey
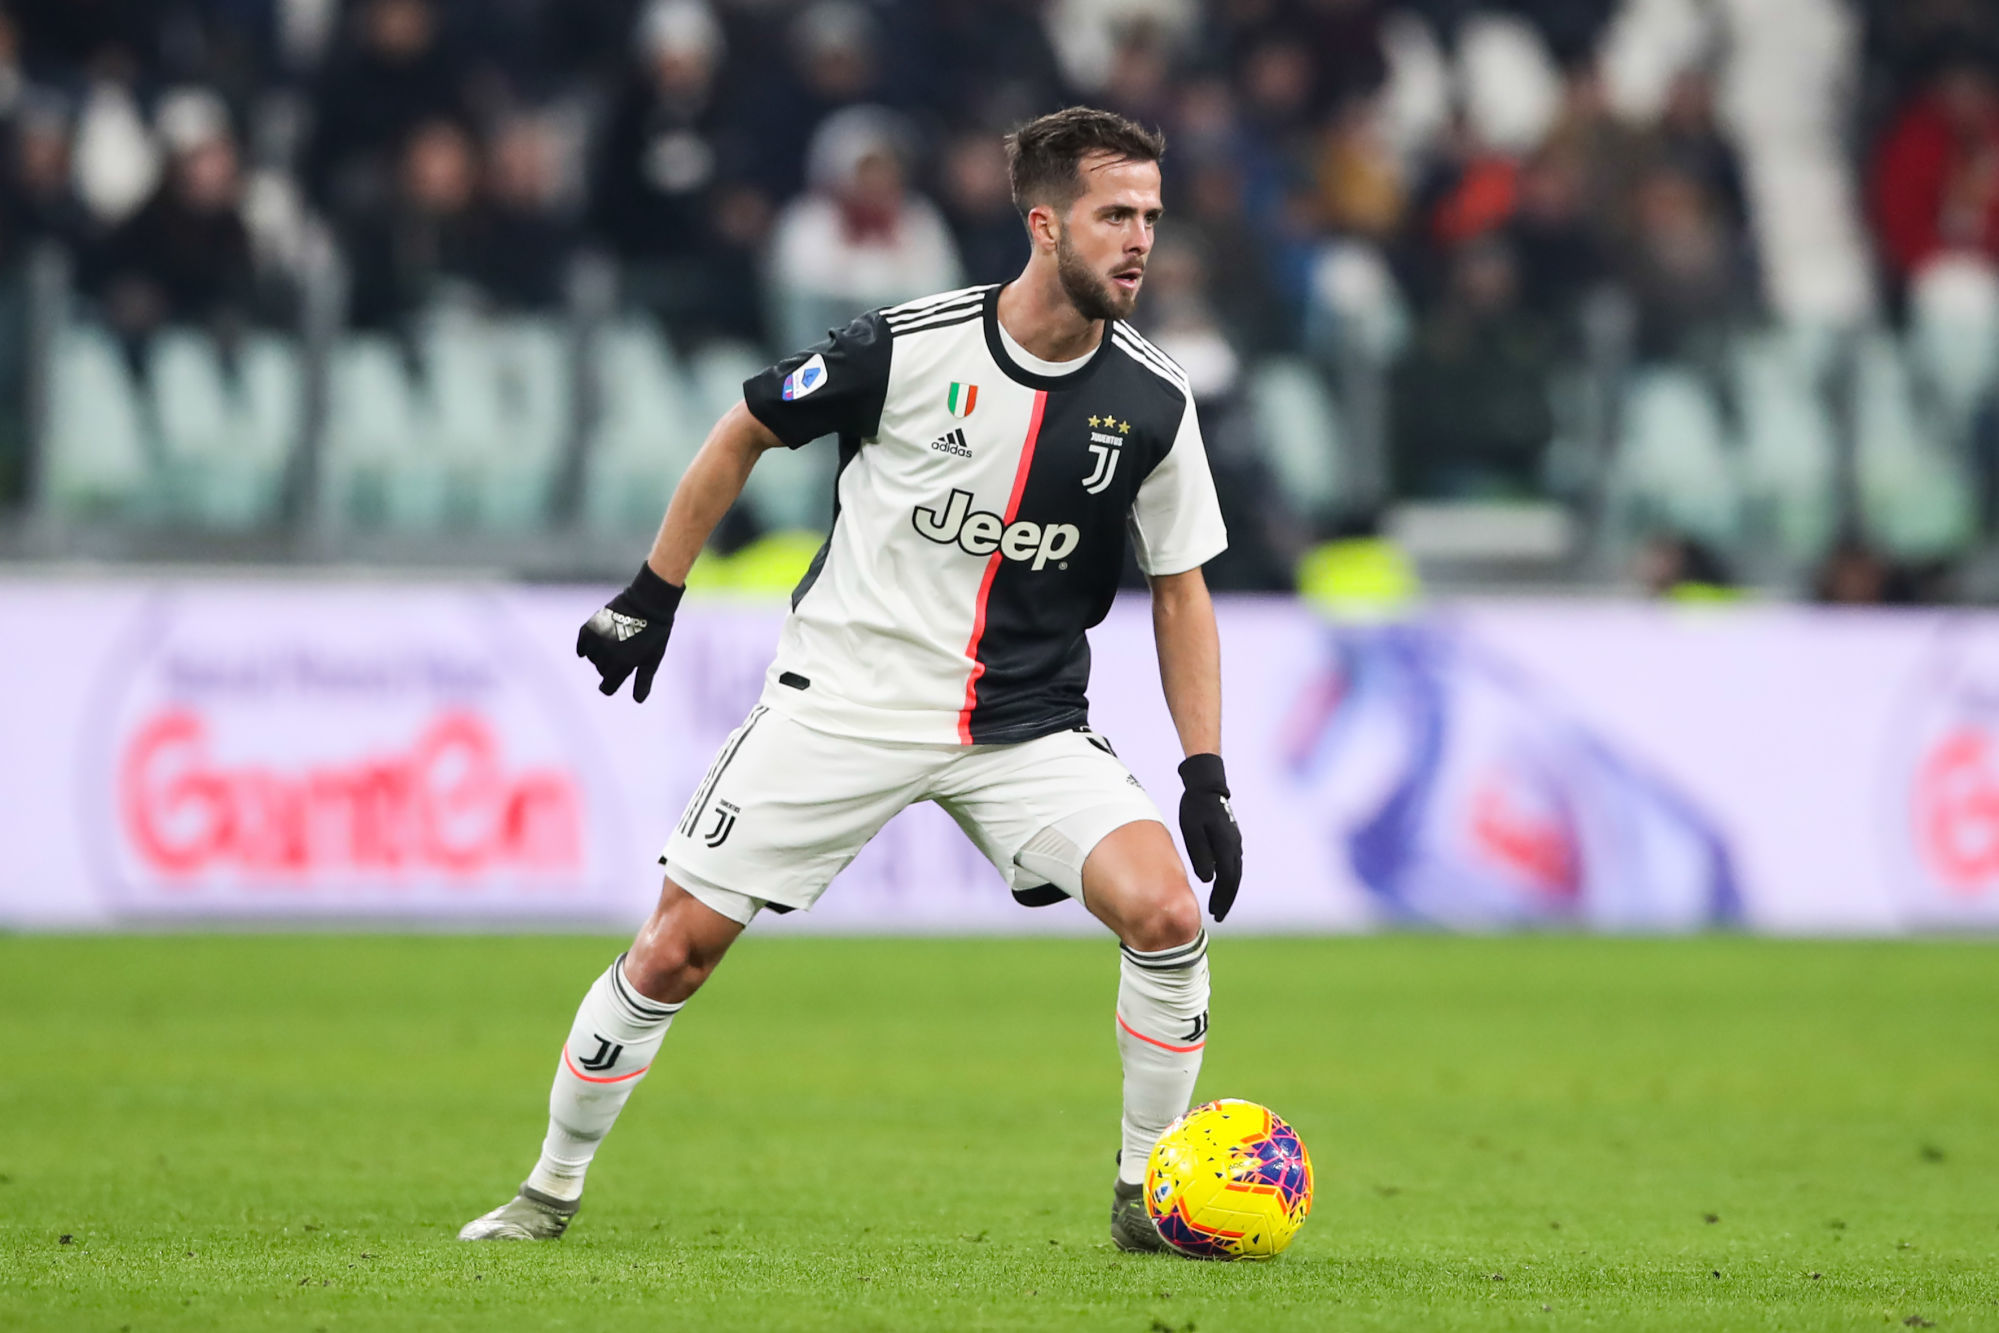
(1021, 374)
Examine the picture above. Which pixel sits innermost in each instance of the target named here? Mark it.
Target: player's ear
(1044, 228)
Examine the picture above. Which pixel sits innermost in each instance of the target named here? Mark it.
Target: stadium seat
(791, 489)
(97, 455)
(1299, 427)
(1672, 464)
(1915, 494)
(495, 401)
(1954, 334)
(224, 441)
(644, 432)
(1787, 442)
(379, 467)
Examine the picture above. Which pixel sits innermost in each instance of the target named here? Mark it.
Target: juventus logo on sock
(605, 1056)
(1200, 1028)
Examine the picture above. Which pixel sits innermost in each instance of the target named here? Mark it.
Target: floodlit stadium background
(1568, 356)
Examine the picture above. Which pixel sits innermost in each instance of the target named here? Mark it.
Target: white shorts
(784, 808)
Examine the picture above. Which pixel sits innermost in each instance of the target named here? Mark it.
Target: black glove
(1207, 824)
(630, 634)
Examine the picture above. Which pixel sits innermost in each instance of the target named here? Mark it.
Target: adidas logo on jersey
(952, 442)
(981, 532)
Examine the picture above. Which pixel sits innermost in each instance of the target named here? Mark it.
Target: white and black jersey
(980, 518)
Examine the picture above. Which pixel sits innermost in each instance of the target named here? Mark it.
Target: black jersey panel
(1100, 437)
(834, 387)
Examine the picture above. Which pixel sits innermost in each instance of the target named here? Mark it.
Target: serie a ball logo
(1229, 1180)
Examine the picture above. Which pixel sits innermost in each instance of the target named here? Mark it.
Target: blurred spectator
(978, 202)
(1214, 220)
(1854, 573)
(980, 62)
(1684, 269)
(184, 257)
(862, 237)
(433, 234)
(64, 38)
(1471, 412)
(36, 198)
(1936, 174)
(1688, 140)
(388, 76)
(522, 259)
(1361, 190)
(1678, 567)
(668, 189)
(1139, 83)
(836, 62)
(1179, 316)
(1558, 246)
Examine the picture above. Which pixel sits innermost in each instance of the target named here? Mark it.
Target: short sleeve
(834, 387)
(1176, 522)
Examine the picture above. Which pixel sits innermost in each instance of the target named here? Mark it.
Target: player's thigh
(782, 810)
(1134, 883)
(1039, 809)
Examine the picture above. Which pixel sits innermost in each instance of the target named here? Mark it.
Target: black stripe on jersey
(1146, 352)
(923, 304)
(972, 302)
(850, 449)
(1033, 649)
(1153, 360)
(692, 819)
(902, 317)
(941, 321)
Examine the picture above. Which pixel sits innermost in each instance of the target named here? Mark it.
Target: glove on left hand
(1207, 824)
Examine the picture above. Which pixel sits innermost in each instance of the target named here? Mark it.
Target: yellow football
(1229, 1180)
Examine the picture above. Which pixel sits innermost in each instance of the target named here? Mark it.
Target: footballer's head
(1087, 184)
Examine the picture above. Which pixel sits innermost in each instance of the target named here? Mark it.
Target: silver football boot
(1131, 1225)
(530, 1215)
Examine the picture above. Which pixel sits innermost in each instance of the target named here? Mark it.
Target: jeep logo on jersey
(805, 379)
(981, 532)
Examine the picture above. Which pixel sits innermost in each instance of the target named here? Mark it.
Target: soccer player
(997, 445)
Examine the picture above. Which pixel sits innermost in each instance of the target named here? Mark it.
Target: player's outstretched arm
(1190, 670)
(629, 635)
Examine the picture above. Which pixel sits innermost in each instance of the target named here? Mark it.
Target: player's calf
(612, 1042)
(1133, 882)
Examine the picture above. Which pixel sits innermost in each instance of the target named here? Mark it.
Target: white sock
(1162, 1024)
(611, 1045)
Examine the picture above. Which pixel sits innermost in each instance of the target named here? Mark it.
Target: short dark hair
(1044, 157)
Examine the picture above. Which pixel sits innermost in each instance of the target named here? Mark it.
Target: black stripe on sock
(1168, 960)
(650, 1011)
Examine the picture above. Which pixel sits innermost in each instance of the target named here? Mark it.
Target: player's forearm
(1190, 659)
(712, 482)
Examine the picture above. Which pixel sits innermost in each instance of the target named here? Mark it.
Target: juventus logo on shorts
(725, 823)
(606, 1055)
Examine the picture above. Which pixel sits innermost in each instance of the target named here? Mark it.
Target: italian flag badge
(962, 399)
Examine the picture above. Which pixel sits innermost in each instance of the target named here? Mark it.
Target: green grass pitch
(284, 1132)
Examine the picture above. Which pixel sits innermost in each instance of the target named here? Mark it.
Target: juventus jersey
(980, 519)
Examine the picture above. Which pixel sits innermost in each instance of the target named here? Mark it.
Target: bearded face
(1093, 290)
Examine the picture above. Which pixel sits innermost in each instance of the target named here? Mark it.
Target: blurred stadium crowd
(1713, 279)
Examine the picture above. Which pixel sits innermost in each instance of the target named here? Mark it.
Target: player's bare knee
(1171, 918)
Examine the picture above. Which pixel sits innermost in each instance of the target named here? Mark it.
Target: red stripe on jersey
(992, 568)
